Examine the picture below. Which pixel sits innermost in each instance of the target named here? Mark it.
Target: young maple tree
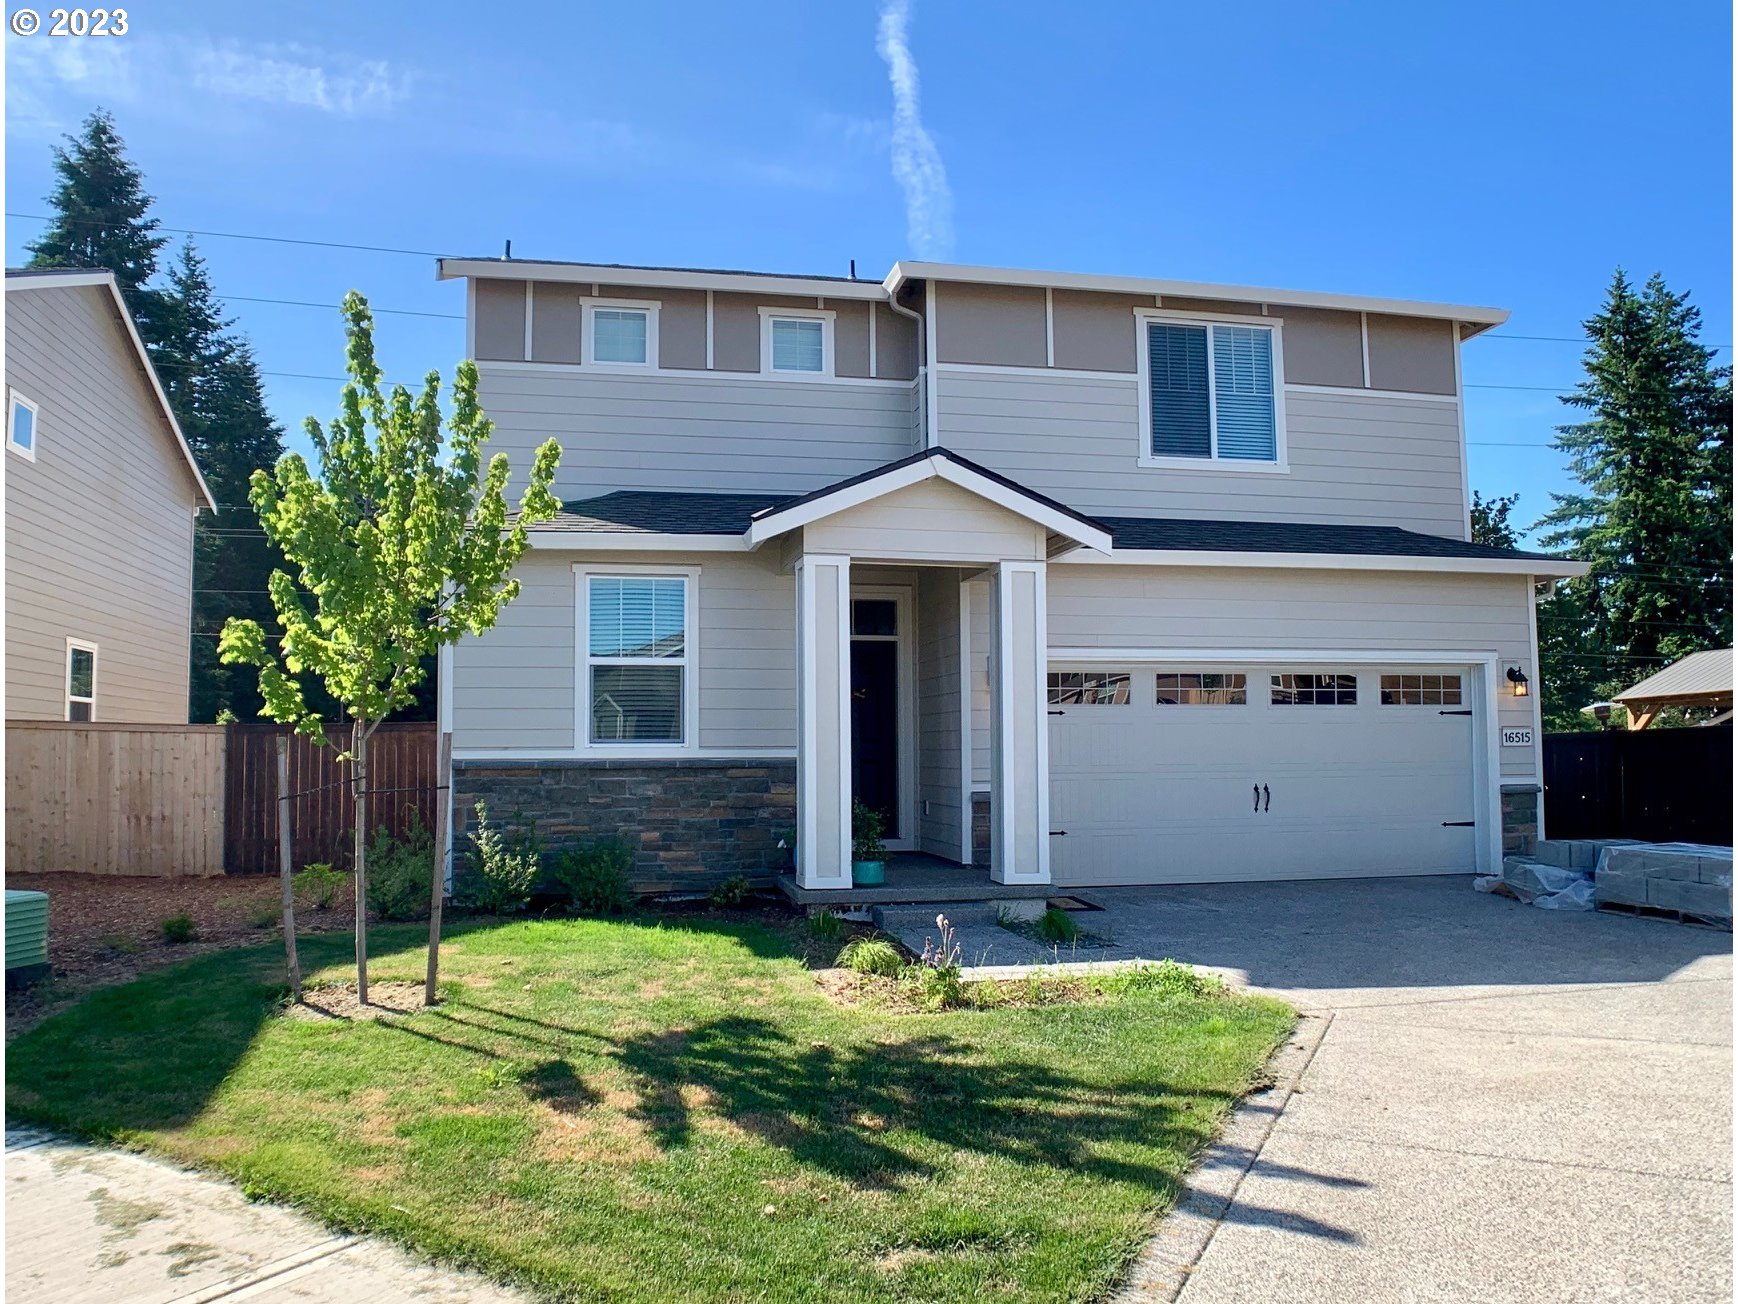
(403, 545)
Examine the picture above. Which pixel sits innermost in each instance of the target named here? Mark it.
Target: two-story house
(101, 492)
(1091, 579)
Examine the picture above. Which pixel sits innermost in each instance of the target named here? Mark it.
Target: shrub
(317, 885)
(503, 873)
(867, 827)
(873, 956)
(401, 872)
(1056, 925)
(265, 914)
(732, 892)
(1166, 979)
(594, 877)
(179, 929)
(827, 926)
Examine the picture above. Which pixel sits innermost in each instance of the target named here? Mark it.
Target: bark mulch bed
(106, 929)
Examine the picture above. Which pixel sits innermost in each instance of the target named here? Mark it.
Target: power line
(304, 303)
(1565, 339)
(238, 235)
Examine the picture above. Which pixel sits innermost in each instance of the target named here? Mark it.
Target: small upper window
(1212, 392)
(81, 681)
(1420, 690)
(1315, 690)
(621, 335)
(799, 344)
(1202, 690)
(21, 426)
(1088, 688)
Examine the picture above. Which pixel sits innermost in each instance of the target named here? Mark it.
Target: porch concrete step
(1577, 853)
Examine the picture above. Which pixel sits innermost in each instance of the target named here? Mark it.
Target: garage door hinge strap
(1454, 712)
(1459, 824)
(1058, 833)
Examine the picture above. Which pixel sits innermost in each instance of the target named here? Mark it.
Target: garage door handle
(1266, 799)
(1058, 833)
(1258, 799)
(1065, 713)
(1459, 824)
(1454, 712)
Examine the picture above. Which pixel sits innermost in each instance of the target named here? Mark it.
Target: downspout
(926, 372)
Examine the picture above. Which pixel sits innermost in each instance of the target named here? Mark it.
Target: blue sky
(1502, 154)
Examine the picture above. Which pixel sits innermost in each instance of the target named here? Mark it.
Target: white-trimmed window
(1088, 688)
(636, 632)
(1315, 690)
(81, 680)
(1420, 690)
(1211, 392)
(21, 425)
(1201, 688)
(621, 334)
(796, 342)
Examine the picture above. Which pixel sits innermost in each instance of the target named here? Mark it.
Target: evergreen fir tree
(1654, 514)
(1490, 520)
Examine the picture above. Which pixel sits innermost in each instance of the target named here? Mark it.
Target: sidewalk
(91, 1224)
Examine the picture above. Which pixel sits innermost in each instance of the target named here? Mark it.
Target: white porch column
(823, 721)
(1019, 727)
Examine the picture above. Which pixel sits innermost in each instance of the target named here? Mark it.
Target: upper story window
(796, 342)
(638, 654)
(621, 335)
(1211, 393)
(81, 680)
(21, 425)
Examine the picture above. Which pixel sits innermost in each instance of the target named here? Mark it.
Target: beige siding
(557, 323)
(99, 528)
(1174, 607)
(515, 687)
(938, 712)
(498, 321)
(1354, 459)
(1412, 354)
(928, 520)
(1095, 332)
(1323, 347)
(1000, 325)
(895, 344)
(694, 433)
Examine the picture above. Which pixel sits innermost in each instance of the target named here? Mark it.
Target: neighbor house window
(81, 680)
(1192, 689)
(21, 426)
(1088, 688)
(1420, 690)
(638, 657)
(1212, 392)
(1315, 690)
(797, 343)
(621, 335)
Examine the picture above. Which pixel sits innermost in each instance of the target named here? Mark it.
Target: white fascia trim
(1460, 442)
(71, 280)
(1353, 391)
(1481, 317)
(933, 468)
(574, 541)
(665, 278)
(1543, 567)
(569, 369)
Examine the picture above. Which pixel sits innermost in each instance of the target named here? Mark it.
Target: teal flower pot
(868, 873)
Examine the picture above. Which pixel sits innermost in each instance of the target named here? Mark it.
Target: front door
(876, 775)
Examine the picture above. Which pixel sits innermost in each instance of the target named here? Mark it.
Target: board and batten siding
(99, 528)
(514, 688)
(1354, 459)
(1178, 607)
(693, 433)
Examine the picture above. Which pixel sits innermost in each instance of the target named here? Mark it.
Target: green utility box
(26, 937)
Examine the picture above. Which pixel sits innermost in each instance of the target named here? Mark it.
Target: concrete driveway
(1492, 1101)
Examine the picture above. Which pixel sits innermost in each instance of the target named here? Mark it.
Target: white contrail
(917, 164)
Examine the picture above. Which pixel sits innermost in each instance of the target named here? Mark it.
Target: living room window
(1211, 393)
(638, 658)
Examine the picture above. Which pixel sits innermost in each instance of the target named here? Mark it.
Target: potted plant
(868, 855)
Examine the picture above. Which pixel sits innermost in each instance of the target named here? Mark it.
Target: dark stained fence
(401, 776)
(1658, 785)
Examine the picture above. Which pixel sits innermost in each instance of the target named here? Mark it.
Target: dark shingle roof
(1170, 535)
(634, 511)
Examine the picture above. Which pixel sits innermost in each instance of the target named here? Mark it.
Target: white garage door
(1199, 774)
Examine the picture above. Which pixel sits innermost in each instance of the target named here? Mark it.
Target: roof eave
(664, 278)
(1536, 567)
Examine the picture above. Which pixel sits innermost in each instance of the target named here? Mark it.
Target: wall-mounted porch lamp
(1518, 681)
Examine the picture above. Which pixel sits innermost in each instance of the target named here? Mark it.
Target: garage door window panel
(1088, 688)
(1314, 690)
(1202, 688)
(1421, 690)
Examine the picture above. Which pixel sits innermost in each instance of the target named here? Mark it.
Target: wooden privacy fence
(176, 799)
(141, 799)
(401, 775)
(1658, 785)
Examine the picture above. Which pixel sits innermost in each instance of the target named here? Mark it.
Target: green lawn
(659, 1111)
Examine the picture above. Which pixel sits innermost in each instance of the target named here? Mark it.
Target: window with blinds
(799, 344)
(621, 335)
(638, 657)
(1212, 392)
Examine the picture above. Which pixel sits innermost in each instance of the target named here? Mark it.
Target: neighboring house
(101, 492)
(1701, 680)
(1092, 579)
